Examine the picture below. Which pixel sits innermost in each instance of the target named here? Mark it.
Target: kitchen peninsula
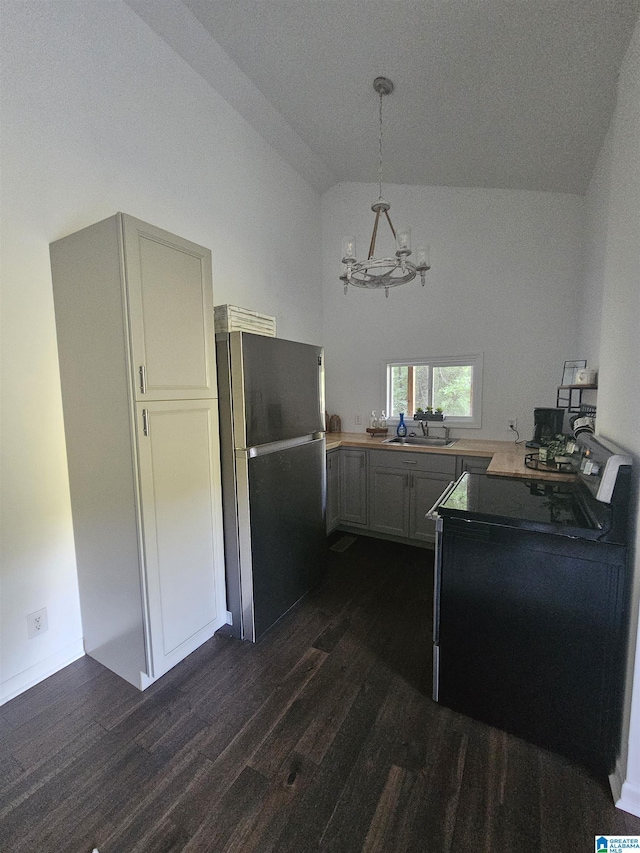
(385, 490)
(506, 457)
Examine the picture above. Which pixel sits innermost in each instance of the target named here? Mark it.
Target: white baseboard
(38, 672)
(629, 798)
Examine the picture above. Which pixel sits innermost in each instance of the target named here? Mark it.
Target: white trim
(12, 687)
(630, 798)
(476, 360)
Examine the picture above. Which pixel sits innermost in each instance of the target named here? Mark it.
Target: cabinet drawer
(435, 462)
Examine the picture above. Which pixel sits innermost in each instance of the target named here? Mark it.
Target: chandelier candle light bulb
(376, 273)
(348, 249)
(403, 241)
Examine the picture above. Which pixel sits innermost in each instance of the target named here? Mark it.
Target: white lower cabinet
(179, 473)
(333, 489)
(389, 499)
(386, 492)
(425, 489)
(403, 486)
(353, 486)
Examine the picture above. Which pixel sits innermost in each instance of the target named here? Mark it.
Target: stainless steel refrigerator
(271, 399)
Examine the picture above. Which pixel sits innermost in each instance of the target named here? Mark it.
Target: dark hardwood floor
(321, 737)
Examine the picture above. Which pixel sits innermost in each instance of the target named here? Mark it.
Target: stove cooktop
(530, 504)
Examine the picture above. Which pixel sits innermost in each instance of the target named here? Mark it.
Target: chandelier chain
(380, 152)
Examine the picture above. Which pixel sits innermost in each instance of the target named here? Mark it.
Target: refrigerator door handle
(285, 444)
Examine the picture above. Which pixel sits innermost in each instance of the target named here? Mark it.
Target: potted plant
(555, 452)
(429, 414)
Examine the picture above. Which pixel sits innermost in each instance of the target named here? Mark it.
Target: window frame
(473, 360)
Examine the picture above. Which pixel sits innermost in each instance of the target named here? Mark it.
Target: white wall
(99, 115)
(595, 242)
(613, 282)
(505, 280)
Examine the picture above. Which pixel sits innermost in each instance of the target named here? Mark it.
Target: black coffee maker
(547, 423)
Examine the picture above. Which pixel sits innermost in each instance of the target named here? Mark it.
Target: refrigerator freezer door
(282, 499)
(277, 389)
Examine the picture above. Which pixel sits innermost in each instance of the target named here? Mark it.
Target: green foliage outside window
(446, 388)
(452, 390)
(399, 389)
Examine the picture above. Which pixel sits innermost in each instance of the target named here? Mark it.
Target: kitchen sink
(420, 441)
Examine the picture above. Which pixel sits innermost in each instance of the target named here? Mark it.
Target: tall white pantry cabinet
(134, 319)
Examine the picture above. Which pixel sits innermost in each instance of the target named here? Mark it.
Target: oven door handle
(433, 512)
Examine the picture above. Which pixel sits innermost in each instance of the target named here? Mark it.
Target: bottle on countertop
(335, 424)
(383, 420)
(373, 421)
(401, 429)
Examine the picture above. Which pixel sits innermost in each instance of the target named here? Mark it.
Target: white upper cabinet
(170, 303)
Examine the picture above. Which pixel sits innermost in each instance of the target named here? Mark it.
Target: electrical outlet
(513, 424)
(37, 623)
(357, 419)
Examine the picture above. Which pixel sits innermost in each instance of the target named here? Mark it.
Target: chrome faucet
(425, 430)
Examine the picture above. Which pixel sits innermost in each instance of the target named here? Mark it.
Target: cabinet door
(353, 481)
(389, 500)
(182, 527)
(170, 303)
(426, 488)
(333, 490)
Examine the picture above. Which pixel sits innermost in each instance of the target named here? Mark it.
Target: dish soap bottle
(373, 421)
(401, 429)
(383, 421)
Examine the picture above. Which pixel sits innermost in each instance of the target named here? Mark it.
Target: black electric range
(595, 507)
(531, 603)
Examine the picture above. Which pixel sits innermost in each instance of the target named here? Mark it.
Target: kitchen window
(450, 383)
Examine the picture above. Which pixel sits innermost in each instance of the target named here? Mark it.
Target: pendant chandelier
(376, 273)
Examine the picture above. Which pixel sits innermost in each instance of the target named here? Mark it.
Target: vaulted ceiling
(488, 93)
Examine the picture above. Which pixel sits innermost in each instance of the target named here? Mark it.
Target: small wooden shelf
(583, 387)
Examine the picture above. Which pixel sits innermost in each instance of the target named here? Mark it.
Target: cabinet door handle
(143, 379)
(409, 462)
(145, 421)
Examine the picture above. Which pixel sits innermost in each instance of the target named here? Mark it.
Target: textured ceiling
(493, 93)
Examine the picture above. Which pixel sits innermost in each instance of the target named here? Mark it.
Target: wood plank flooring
(321, 737)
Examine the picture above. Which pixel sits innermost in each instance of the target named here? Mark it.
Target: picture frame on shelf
(570, 369)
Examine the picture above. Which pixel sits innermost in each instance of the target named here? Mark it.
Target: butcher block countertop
(507, 457)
